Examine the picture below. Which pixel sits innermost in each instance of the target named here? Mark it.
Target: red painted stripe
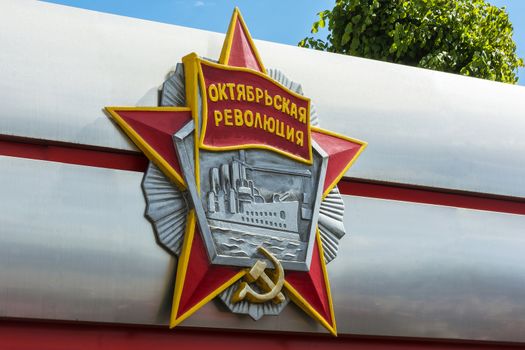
(18, 335)
(56, 152)
(122, 160)
(357, 187)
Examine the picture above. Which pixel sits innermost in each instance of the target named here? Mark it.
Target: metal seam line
(122, 160)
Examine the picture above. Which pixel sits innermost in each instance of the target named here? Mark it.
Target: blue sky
(280, 21)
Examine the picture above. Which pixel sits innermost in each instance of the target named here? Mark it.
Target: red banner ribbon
(243, 108)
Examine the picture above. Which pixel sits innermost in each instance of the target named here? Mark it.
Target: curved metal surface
(423, 127)
(75, 246)
(72, 63)
(430, 271)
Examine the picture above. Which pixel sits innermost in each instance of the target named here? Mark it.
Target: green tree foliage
(469, 37)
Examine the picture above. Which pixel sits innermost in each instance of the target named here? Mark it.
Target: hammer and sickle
(271, 286)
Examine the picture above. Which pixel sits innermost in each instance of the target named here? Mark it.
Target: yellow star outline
(192, 98)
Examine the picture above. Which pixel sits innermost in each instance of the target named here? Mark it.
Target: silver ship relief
(242, 217)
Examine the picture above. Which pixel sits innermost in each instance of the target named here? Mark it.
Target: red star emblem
(197, 280)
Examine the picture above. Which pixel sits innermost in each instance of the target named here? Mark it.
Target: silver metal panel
(423, 127)
(74, 245)
(430, 271)
(61, 66)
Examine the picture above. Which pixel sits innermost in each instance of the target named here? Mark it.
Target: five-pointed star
(198, 281)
